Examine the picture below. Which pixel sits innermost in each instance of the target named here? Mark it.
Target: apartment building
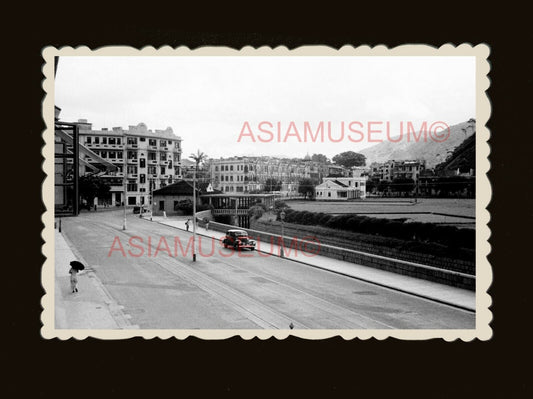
(391, 170)
(248, 174)
(149, 159)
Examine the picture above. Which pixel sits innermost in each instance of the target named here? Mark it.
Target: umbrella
(77, 265)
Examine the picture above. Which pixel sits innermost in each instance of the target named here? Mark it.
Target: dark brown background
(291, 367)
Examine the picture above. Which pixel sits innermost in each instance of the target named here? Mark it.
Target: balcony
(132, 175)
(152, 162)
(133, 160)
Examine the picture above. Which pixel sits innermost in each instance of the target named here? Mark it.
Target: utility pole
(236, 214)
(282, 217)
(194, 215)
(124, 180)
(151, 198)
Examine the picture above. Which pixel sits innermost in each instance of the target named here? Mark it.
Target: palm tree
(199, 157)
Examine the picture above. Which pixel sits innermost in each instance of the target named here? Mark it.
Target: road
(160, 286)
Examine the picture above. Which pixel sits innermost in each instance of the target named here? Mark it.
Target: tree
(91, 186)
(272, 184)
(198, 158)
(320, 158)
(349, 159)
(306, 187)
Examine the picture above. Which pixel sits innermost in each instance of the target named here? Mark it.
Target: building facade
(391, 170)
(146, 159)
(252, 174)
(343, 188)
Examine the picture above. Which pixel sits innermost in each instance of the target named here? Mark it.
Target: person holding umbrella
(75, 267)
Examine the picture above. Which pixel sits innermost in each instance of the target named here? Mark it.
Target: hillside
(463, 158)
(431, 151)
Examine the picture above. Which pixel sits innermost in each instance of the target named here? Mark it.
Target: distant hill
(463, 158)
(431, 151)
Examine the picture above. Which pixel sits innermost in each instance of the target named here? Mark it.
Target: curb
(427, 297)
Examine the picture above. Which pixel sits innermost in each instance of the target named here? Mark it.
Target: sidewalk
(91, 307)
(423, 288)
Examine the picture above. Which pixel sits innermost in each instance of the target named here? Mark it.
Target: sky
(223, 105)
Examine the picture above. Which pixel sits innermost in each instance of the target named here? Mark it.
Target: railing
(219, 212)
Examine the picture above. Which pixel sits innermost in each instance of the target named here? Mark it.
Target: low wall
(313, 247)
(457, 265)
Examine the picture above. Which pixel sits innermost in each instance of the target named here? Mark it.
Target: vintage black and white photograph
(265, 192)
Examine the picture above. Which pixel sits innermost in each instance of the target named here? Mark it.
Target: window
(88, 140)
(162, 156)
(142, 178)
(152, 170)
(142, 139)
(152, 156)
(152, 142)
(142, 163)
(104, 140)
(132, 187)
(119, 141)
(97, 140)
(132, 140)
(163, 170)
(176, 144)
(163, 143)
(231, 168)
(119, 155)
(216, 168)
(132, 169)
(111, 140)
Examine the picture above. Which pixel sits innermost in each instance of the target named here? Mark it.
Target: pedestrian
(73, 279)
(187, 224)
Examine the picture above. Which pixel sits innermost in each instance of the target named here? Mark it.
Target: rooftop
(138, 130)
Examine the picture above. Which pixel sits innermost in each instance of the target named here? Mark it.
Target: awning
(84, 150)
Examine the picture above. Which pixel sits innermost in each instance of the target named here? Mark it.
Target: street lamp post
(124, 181)
(194, 217)
(152, 182)
(282, 217)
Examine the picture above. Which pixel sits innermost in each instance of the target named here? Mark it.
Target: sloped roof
(335, 184)
(339, 183)
(183, 187)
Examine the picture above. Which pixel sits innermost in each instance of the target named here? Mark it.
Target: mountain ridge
(432, 151)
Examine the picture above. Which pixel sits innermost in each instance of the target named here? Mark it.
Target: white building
(341, 188)
(150, 159)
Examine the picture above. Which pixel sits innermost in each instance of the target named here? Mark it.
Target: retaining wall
(310, 246)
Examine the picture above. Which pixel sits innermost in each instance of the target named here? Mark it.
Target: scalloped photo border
(484, 275)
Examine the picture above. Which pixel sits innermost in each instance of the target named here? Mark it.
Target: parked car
(238, 239)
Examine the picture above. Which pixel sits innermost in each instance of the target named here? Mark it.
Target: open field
(454, 211)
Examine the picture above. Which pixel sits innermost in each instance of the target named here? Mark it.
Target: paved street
(224, 290)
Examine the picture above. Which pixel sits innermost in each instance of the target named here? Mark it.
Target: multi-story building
(250, 174)
(391, 170)
(150, 160)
